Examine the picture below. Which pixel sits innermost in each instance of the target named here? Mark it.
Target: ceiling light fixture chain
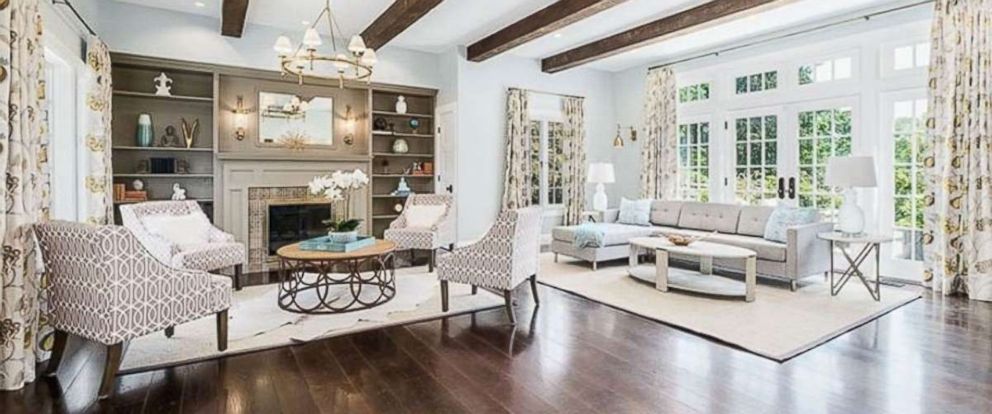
(306, 61)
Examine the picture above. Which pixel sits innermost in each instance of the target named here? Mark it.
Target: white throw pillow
(636, 212)
(424, 216)
(185, 231)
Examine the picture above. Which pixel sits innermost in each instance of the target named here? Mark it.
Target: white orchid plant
(336, 188)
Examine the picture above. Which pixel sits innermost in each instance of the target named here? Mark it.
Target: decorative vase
(401, 105)
(342, 236)
(380, 124)
(400, 146)
(414, 124)
(144, 134)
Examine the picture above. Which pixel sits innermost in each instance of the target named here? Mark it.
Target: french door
(779, 155)
(901, 186)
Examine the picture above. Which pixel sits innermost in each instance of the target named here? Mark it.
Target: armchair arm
(220, 236)
(159, 247)
(492, 250)
(807, 253)
(445, 226)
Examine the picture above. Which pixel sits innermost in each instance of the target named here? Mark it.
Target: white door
(755, 166)
(447, 150)
(823, 129)
(899, 159)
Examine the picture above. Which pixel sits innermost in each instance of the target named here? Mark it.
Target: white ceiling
(461, 22)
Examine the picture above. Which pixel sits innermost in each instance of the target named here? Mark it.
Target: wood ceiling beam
(547, 20)
(233, 14)
(398, 17)
(707, 14)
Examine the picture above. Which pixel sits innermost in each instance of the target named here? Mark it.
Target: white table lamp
(600, 173)
(849, 173)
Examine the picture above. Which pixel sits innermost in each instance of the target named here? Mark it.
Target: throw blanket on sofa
(589, 235)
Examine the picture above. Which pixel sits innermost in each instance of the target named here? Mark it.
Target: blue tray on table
(324, 244)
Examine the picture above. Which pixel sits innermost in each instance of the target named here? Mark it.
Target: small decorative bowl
(682, 240)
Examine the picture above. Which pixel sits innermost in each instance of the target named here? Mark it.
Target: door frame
(446, 140)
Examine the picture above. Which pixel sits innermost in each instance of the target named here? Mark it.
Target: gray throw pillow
(636, 212)
(784, 217)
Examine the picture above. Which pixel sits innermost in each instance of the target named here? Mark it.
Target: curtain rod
(865, 17)
(75, 13)
(551, 93)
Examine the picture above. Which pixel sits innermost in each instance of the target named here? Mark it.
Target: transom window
(692, 93)
(826, 71)
(757, 159)
(756, 82)
(908, 133)
(823, 134)
(911, 56)
(546, 162)
(694, 161)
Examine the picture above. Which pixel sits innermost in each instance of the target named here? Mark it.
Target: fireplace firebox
(291, 223)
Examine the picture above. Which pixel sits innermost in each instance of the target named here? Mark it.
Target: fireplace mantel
(294, 156)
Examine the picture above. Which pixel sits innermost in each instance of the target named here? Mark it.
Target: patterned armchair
(221, 253)
(440, 235)
(505, 257)
(104, 286)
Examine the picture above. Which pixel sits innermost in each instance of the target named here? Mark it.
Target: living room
(522, 206)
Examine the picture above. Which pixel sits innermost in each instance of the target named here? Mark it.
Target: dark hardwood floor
(569, 355)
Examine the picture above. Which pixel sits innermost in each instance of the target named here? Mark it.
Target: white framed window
(908, 134)
(694, 93)
(756, 82)
(756, 160)
(546, 162)
(905, 58)
(826, 70)
(60, 122)
(694, 161)
(823, 133)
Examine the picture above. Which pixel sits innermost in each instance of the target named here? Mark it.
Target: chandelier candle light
(305, 60)
(337, 188)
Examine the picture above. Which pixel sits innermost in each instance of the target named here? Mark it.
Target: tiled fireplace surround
(250, 186)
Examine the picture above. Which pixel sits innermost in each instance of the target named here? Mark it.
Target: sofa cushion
(635, 212)
(753, 220)
(784, 217)
(666, 213)
(613, 233)
(766, 250)
(709, 216)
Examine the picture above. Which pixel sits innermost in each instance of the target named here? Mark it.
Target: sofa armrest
(807, 253)
(611, 215)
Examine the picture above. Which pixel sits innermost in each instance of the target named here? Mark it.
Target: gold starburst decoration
(294, 140)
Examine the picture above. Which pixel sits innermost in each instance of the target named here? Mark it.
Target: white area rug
(256, 322)
(779, 324)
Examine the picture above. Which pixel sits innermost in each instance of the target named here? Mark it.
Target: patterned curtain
(659, 156)
(517, 189)
(96, 90)
(573, 172)
(958, 165)
(23, 161)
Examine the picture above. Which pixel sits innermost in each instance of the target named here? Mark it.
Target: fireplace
(290, 223)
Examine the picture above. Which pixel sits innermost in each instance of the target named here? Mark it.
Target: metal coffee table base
(319, 287)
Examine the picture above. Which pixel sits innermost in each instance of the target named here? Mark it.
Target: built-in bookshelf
(389, 166)
(193, 99)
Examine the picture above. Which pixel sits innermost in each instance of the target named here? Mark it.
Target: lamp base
(599, 200)
(850, 217)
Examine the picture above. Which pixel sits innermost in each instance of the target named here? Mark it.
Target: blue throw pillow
(636, 212)
(783, 218)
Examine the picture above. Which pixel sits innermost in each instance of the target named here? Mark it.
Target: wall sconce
(618, 141)
(349, 126)
(633, 134)
(240, 119)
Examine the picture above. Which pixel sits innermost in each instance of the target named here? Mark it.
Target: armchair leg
(58, 351)
(170, 331)
(475, 289)
(444, 295)
(430, 263)
(793, 285)
(222, 330)
(508, 297)
(110, 367)
(238, 270)
(451, 247)
(533, 289)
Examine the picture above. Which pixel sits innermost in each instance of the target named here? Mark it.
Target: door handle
(781, 187)
(792, 188)
(450, 188)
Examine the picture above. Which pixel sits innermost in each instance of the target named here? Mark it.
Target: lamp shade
(283, 46)
(849, 172)
(311, 38)
(356, 45)
(601, 173)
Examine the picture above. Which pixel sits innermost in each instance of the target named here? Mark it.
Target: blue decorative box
(324, 244)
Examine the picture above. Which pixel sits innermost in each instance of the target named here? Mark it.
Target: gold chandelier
(304, 61)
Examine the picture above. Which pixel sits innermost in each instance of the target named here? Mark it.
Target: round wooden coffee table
(316, 282)
(702, 281)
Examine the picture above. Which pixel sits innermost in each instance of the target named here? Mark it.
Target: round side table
(329, 282)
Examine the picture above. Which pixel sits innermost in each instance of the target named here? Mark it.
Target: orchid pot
(338, 188)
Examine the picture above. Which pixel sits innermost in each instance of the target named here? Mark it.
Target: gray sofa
(802, 255)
